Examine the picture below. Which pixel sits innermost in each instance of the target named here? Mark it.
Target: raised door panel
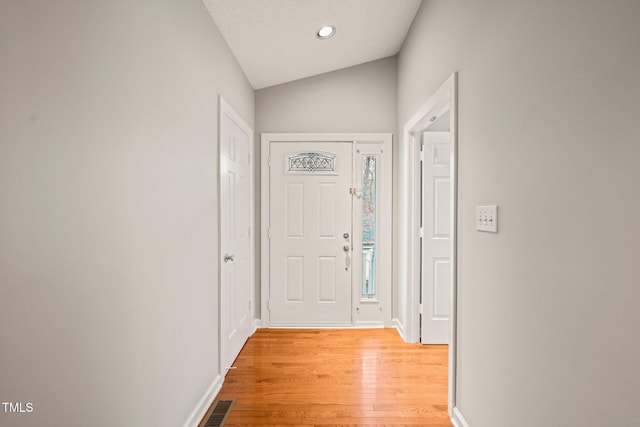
(294, 279)
(294, 215)
(327, 279)
(441, 289)
(326, 210)
(441, 215)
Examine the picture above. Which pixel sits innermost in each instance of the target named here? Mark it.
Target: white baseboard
(368, 325)
(257, 324)
(205, 402)
(457, 419)
(320, 324)
(399, 327)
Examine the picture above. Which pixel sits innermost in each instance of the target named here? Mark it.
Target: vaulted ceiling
(275, 40)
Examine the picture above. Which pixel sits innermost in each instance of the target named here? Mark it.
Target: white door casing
(436, 237)
(364, 312)
(236, 225)
(310, 212)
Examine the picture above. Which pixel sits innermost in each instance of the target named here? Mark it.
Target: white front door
(436, 242)
(236, 271)
(310, 215)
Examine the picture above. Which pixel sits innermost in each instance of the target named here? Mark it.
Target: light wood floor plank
(322, 378)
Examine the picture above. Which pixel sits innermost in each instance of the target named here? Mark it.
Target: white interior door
(310, 212)
(436, 241)
(236, 224)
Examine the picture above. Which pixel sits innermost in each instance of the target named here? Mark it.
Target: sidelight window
(369, 225)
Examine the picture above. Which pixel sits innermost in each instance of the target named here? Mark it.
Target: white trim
(408, 247)
(457, 419)
(257, 324)
(312, 326)
(321, 324)
(366, 324)
(385, 275)
(203, 405)
(265, 165)
(324, 137)
(397, 324)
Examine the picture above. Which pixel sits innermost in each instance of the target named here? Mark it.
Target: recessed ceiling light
(326, 32)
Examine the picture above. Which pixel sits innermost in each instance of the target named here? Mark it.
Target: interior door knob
(228, 257)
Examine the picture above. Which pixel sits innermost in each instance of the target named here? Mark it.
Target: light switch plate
(487, 218)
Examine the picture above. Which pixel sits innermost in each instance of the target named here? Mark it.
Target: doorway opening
(436, 274)
(427, 246)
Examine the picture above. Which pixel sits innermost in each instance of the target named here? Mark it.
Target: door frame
(409, 253)
(354, 138)
(226, 109)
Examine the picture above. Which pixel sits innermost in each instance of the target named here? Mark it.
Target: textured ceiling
(275, 40)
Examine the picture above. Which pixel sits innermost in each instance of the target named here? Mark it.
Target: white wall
(549, 100)
(356, 99)
(108, 209)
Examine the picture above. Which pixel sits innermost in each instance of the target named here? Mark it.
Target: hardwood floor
(348, 377)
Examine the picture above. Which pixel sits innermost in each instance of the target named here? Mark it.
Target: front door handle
(346, 248)
(228, 257)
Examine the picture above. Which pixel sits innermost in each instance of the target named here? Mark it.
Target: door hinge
(420, 308)
(421, 232)
(268, 233)
(269, 305)
(269, 161)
